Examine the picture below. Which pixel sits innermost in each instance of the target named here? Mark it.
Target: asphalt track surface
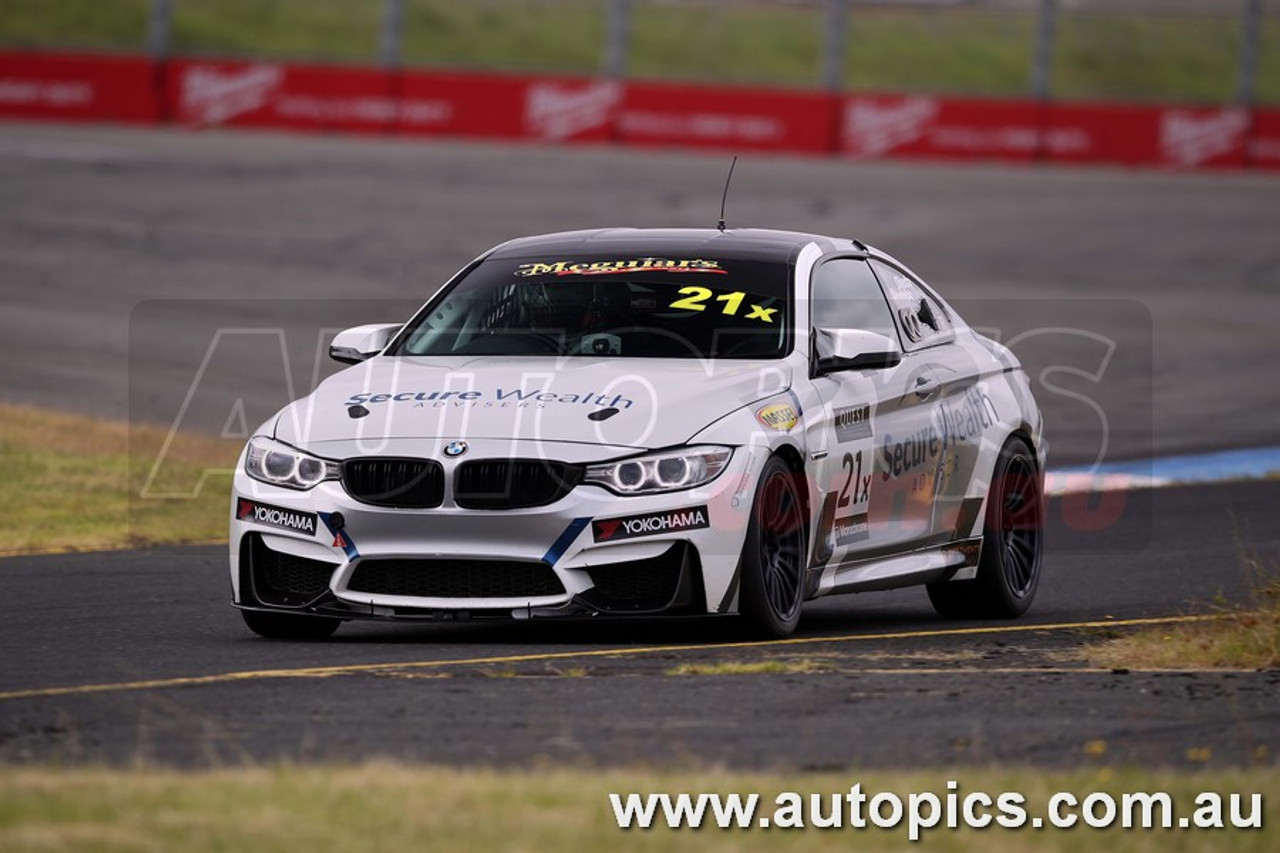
(126, 657)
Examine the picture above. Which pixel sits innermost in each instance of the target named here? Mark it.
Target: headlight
(666, 471)
(281, 465)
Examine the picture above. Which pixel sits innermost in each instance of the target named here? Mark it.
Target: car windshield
(621, 306)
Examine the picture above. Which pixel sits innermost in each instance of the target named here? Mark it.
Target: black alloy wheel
(773, 555)
(1012, 542)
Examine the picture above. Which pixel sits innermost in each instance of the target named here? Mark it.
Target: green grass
(76, 482)
(118, 24)
(563, 36)
(965, 52)
(396, 808)
(721, 43)
(1109, 55)
(343, 30)
(798, 666)
(1167, 57)
(1246, 636)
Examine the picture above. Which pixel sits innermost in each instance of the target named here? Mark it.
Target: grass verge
(1247, 636)
(797, 666)
(1167, 54)
(394, 807)
(77, 483)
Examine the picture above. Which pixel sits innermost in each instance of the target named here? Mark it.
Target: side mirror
(854, 349)
(353, 346)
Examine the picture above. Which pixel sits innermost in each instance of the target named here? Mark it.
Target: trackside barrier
(64, 87)
(272, 95)
(199, 93)
(725, 119)
(1264, 139)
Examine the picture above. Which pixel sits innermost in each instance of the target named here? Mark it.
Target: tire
(772, 565)
(1012, 541)
(289, 626)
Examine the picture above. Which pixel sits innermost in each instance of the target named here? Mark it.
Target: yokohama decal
(670, 521)
(274, 516)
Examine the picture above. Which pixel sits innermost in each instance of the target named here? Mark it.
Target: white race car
(641, 422)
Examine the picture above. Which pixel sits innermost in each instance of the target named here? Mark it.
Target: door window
(921, 319)
(846, 295)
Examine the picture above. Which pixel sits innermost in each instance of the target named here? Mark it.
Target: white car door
(962, 411)
(873, 465)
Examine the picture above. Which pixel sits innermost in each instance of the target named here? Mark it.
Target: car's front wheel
(1009, 568)
(772, 565)
(289, 626)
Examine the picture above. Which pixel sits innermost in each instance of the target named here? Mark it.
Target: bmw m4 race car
(642, 422)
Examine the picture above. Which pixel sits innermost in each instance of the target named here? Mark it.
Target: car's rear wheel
(289, 626)
(772, 565)
(1012, 537)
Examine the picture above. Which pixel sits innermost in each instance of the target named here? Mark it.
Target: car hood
(639, 403)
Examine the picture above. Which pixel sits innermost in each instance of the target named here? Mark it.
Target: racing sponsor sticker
(274, 516)
(696, 299)
(650, 524)
(336, 525)
(852, 529)
(628, 265)
(488, 399)
(955, 423)
(779, 416)
(853, 422)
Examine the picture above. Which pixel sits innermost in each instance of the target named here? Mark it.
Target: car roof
(740, 243)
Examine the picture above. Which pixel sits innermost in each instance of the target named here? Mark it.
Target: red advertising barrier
(1264, 143)
(202, 93)
(874, 126)
(1199, 137)
(925, 126)
(78, 88)
(1173, 137)
(729, 119)
(550, 109)
(1103, 133)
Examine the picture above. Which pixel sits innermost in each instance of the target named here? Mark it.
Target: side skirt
(954, 560)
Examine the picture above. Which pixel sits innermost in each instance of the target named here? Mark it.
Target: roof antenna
(724, 198)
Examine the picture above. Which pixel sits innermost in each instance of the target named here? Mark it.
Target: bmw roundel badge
(455, 448)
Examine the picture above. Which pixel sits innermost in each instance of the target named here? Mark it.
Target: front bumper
(592, 552)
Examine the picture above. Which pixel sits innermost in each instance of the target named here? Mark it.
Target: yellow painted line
(1033, 670)
(352, 669)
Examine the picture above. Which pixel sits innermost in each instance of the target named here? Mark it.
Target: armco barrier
(205, 93)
